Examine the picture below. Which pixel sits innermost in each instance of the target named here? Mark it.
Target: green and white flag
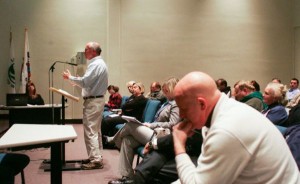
(25, 69)
(11, 80)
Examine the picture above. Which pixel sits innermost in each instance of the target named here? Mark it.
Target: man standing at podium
(94, 84)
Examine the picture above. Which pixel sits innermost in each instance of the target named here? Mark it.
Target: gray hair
(278, 92)
(95, 46)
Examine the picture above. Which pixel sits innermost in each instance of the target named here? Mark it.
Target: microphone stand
(51, 100)
(63, 100)
(51, 69)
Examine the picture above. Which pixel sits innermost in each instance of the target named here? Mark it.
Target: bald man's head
(196, 94)
(92, 49)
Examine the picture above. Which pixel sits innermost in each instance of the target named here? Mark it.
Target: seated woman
(134, 107)
(274, 97)
(11, 164)
(33, 97)
(133, 135)
(114, 102)
(115, 99)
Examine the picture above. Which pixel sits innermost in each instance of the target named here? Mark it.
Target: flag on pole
(11, 80)
(25, 70)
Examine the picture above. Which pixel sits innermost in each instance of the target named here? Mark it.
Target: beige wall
(153, 39)
(297, 38)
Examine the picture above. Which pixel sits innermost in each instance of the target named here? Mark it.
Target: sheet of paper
(131, 119)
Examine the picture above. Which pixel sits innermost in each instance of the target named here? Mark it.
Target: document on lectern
(64, 93)
(131, 119)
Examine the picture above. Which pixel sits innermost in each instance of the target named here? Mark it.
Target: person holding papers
(134, 107)
(133, 135)
(94, 84)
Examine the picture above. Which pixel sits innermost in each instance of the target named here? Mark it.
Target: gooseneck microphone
(51, 69)
(52, 66)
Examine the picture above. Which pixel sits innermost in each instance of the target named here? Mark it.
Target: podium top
(64, 93)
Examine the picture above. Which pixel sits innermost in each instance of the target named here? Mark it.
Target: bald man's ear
(202, 103)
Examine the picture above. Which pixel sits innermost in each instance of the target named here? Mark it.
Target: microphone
(74, 64)
(52, 66)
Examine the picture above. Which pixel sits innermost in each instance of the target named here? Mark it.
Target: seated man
(156, 93)
(294, 90)
(245, 92)
(222, 86)
(238, 142)
(158, 165)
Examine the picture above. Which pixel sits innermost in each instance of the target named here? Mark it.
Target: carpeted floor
(73, 151)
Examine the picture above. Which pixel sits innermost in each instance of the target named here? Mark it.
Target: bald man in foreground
(239, 145)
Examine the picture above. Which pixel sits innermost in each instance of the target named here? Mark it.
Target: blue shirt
(292, 93)
(95, 80)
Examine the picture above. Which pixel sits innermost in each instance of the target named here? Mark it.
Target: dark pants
(108, 125)
(157, 168)
(11, 165)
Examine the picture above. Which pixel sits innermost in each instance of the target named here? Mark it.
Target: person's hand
(146, 149)
(147, 124)
(66, 74)
(119, 112)
(181, 132)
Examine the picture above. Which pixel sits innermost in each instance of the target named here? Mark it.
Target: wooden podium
(64, 93)
(72, 164)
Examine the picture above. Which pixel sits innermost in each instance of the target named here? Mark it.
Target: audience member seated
(276, 80)
(156, 93)
(294, 101)
(134, 107)
(159, 166)
(33, 97)
(294, 116)
(239, 143)
(222, 86)
(292, 136)
(115, 99)
(245, 92)
(274, 97)
(133, 135)
(294, 90)
(255, 85)
(129, 85)
(11, 164)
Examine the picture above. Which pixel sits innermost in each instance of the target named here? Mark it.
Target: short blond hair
(130, 83)
(141, 86)
(242, 84)
(170, 84)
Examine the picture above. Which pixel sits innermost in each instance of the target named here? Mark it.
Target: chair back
(150, 110)
(124, 99)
